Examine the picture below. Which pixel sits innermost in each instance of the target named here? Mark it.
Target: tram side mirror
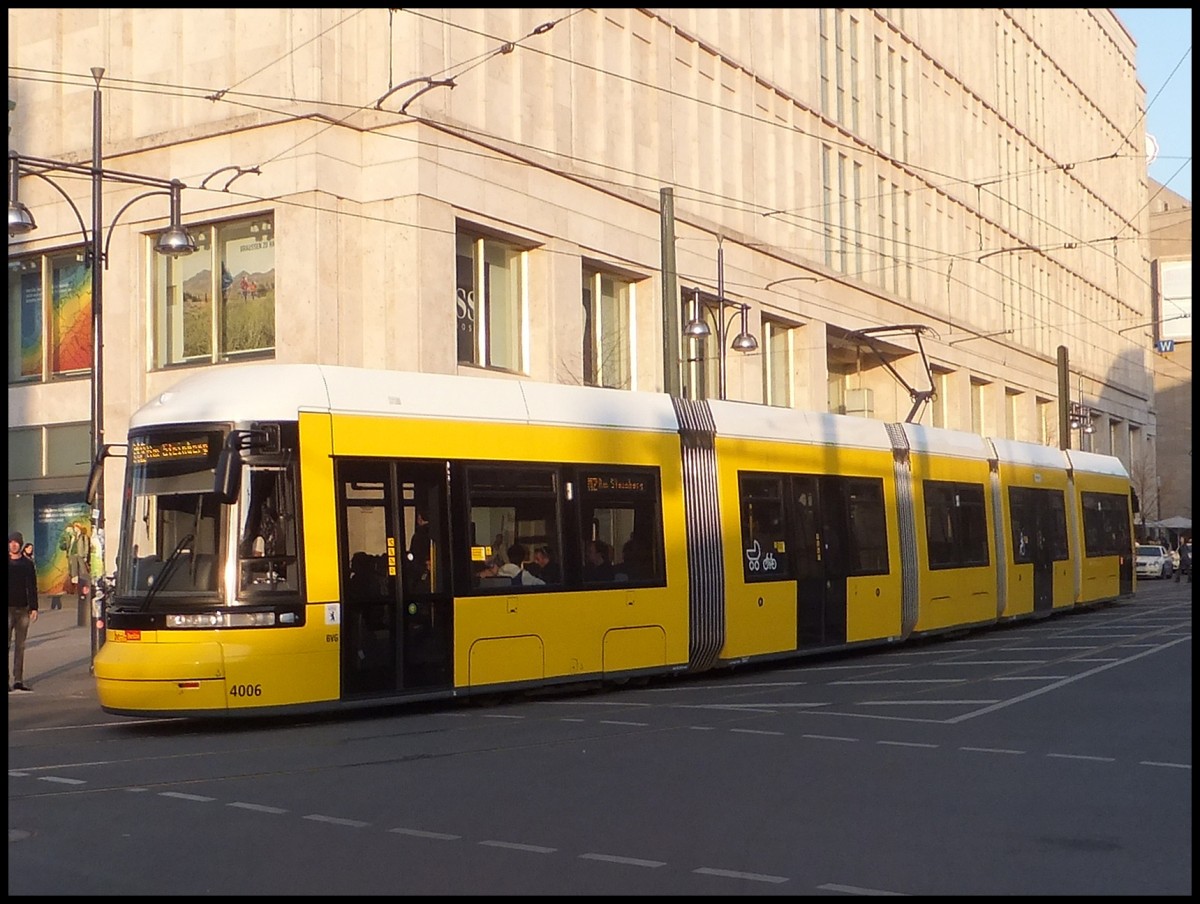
(96, 475)
(228, 478)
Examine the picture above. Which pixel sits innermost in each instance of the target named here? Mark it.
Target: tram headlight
(221, 620)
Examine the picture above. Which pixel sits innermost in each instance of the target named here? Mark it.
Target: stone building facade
(556, 195)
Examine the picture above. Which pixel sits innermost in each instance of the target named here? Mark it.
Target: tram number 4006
(245, 690)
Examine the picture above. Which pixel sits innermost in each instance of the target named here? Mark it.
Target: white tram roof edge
(1009, 451)
(1095, 463)
(270, 391)
(943, 441)
(749, 420)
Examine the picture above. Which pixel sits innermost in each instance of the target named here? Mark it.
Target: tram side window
(764, 529)
(1057, 510)
(955, 524)
(267, 534)
(1038, 524)
(868, 526)
(620, 528)
(1106, 524)
(511, 510)
(1022, 511)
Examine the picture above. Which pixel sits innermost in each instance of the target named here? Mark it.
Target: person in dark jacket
(22, 608)
(1185, 560)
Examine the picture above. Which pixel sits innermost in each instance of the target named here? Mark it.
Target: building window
(823, 58)
(839, 64)
(607, 331)
(217, 304)
(1012, 403)
(941, 390)
(827, 201)
(1047, 415)
(777, 363)
(49, 316)
(490, 303)
(843, 214)
(855, 76)
(58, 450)
(837, 383)
(1175, 281)
(977, 390)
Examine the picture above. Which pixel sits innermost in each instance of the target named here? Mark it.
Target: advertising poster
(62, 527)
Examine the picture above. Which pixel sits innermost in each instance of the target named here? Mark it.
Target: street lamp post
(174, 241)
(697, 328)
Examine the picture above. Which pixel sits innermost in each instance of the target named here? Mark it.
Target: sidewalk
(58, 655)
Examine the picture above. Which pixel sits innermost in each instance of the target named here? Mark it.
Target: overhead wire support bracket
(867, 337)
(429, 83)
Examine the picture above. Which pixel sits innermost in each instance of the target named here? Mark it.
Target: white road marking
(181, 796)
(733, 874)
(417, 833)
(1080, 756)
(61, 781)
(900, 681)
(993, 662)
(925, 702)
(1052, 687)
(754, 731)
(907, 744)
(993, 750)
(257, 808)
(513, 846)
(628, 861)
(337, 821)
(1027, 678)
(857, 890)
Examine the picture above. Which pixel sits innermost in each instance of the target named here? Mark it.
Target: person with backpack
(515, 568)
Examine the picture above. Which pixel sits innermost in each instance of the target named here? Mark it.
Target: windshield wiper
(168, 567)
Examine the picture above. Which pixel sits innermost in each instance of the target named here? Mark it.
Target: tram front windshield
(171, 521)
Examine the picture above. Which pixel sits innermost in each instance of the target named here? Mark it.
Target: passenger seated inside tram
(597, 561)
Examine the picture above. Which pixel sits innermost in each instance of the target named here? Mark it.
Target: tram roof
(749, 420)
(942, 441)
(1010, 451)
(239, 393)
(1095, 463)
(262, 392)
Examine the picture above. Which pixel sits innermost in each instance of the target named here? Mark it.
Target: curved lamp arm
(125, 207)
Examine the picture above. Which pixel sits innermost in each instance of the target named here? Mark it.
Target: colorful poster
(71, 310)
(31, 324)
(62, 529)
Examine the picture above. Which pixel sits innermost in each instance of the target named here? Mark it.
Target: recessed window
(490, 303)
(218, 303)
(49, 316)
(607, 331)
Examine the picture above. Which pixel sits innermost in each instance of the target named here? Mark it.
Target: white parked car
(1154, 562)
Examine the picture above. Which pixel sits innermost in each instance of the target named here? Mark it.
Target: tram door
(1043, 559)
(396, 611)
(820, 573)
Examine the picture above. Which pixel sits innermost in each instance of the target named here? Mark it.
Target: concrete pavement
(58, 658)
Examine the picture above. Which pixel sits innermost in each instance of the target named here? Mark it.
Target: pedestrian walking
(22, 608)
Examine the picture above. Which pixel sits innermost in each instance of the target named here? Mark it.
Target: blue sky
(1164, 42)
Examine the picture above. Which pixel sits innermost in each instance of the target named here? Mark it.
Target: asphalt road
(1042, 758)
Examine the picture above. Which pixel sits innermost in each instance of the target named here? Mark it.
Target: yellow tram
(305, 537)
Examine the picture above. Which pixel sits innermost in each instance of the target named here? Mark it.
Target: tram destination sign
(195, 449)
